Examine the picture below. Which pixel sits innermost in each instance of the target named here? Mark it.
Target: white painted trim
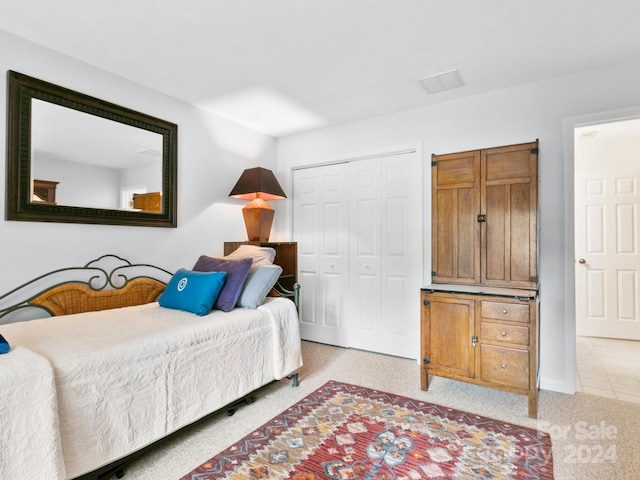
(363, 155)
(557, 386)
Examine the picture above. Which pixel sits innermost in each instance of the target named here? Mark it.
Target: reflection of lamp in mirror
(258, 185)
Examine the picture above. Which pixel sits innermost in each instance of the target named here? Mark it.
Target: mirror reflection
(75, 158)
(88, 161)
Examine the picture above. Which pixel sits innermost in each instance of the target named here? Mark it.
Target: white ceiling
(284, 66)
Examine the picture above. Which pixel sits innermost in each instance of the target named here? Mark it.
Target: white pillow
(259, 255)
(258, 285)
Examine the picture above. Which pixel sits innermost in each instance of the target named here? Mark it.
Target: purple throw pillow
(237, 272)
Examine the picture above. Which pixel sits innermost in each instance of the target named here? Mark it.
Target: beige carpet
(593, 437)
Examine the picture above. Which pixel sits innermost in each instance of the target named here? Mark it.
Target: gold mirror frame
(19, 205)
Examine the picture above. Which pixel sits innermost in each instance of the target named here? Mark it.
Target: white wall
(79, 183)
(508, 116)
(212, 152)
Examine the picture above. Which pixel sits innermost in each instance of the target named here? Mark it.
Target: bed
(107, 371)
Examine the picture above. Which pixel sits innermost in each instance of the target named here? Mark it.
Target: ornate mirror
(78, 159)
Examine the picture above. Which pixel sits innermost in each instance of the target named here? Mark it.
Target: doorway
(606, 209)
(607, 257)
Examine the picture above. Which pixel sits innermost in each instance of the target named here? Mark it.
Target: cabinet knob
(504, 365)
(504, 311)
(503, 333)
(582, 261)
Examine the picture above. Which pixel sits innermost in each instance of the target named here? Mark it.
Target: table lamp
(258, 185)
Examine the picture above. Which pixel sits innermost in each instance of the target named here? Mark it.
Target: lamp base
(258, 218)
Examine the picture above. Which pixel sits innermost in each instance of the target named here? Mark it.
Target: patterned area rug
(343, 432)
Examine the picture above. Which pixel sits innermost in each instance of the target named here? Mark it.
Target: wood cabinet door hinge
(482, 218)
(534, 151)
(433, 164)
(426, 361)
(474, 341)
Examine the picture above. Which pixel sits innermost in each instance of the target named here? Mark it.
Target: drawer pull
(503, 333)
(504, 311)
(504, 365)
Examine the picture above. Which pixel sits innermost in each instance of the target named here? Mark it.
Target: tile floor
(608, 368)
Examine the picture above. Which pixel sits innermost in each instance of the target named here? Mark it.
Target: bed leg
(294, 378)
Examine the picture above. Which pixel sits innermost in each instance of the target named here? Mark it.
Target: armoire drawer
(505, 366)
(498, 332)
(514, 312)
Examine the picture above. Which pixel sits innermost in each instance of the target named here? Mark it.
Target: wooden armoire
(479, 317)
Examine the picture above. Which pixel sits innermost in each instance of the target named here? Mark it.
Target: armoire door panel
(455, 208)
(450, 327)
(455, 233)
(457, 170)
(496, 239)
(508, 163)
(509, 177)
(519, 233)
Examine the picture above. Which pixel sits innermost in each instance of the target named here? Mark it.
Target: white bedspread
(28, 417)
(127, 377)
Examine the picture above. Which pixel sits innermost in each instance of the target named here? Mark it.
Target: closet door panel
(320, 228)
(364, 254)
(360, 274)
(384, 254)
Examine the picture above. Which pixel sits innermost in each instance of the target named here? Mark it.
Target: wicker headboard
(78, 297)
(105, 283)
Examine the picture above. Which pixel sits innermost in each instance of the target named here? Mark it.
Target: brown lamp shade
(258, 184)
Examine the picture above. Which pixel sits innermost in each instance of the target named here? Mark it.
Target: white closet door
(320, 227)
(385, 263)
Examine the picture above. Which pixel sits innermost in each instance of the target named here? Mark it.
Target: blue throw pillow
(4, 345)
(193, 292)
(237, 271)
(259, 283)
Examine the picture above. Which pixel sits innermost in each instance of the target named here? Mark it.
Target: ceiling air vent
(442, 81)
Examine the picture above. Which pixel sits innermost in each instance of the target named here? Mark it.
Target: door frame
(569, 124)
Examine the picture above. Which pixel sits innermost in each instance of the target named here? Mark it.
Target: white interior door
(320, 215)
(384, 254)
(606, 242)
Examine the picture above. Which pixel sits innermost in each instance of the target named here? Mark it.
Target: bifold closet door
(320, 216)
(385, 262)
(359, 233)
